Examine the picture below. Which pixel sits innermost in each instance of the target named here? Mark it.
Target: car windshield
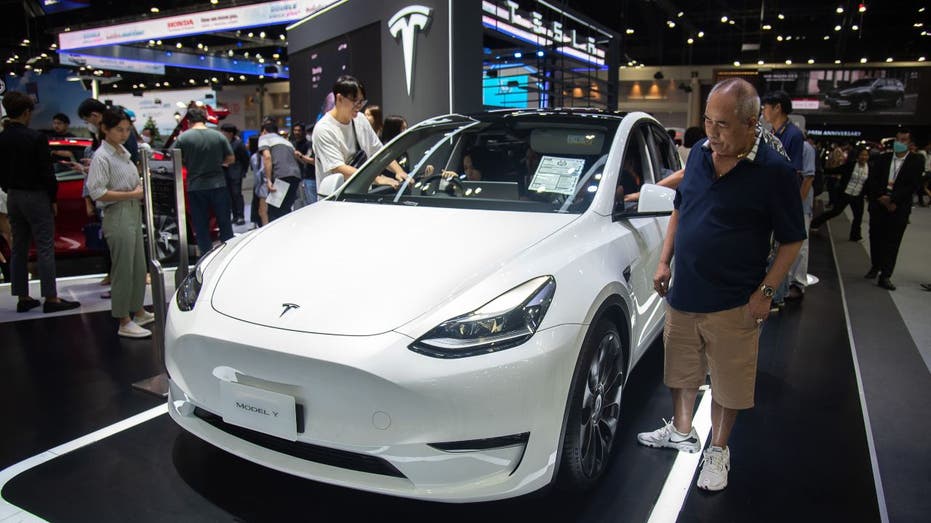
(863, 82)
(534, 163)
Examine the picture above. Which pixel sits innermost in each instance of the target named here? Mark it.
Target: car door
(643, 239)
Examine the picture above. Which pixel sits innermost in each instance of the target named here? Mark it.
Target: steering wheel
(431, 185)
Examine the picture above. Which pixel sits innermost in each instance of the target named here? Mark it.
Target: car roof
(568, 113)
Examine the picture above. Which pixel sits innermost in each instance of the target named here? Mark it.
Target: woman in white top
(113, 181)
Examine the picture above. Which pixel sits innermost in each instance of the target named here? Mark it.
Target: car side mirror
(330, 185)
(655, 200)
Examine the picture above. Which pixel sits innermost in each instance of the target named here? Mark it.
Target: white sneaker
(714, 467)
(131, 330)
(144, 320)
(668, 437)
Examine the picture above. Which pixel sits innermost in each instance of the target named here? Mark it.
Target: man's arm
(672, 181)
(785, 257)
(395, 167)
(807, 182)
(267, 167)
(663, 272)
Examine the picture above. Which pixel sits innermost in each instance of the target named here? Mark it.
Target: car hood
(362, 269)
(849, 91)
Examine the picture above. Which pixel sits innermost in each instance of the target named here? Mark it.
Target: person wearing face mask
(889, 191)
(91, 111)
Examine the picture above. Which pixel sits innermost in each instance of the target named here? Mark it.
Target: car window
(635, 169)
(665, 156)
(536, 164)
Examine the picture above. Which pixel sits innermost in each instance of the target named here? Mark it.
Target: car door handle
(626, 274)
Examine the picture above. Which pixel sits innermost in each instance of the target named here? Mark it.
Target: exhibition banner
(253, 15)
(113, 64)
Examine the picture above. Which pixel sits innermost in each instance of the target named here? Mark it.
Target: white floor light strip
(11, 513)
(679, 480)
(877, 479)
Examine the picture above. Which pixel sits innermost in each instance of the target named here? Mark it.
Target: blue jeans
(310, 190)
(204, 201)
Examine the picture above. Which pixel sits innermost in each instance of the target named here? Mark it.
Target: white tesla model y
(465, 336)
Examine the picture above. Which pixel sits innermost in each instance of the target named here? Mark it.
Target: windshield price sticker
(557, 175)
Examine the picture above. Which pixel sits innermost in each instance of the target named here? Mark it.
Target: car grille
(315, 453)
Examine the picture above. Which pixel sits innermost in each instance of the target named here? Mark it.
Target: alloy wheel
(601, 404)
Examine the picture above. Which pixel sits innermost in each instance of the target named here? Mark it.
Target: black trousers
(31, 220)
(843, 200)
(277, 212)
(234, 185)
(886, 231)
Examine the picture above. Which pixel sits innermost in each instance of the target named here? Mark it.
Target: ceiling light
(863, 60)
(779, 38)
(262, 34)
(789, 37)
(921, 10)
(229, 53)
(855, 27)
(250, 34)
(736, 63)
(276, 56)
(690, 41)
(165, 83)
(767, 27)
(200, 45)
(723, 19)
(179, 45)
(919, 24)
(921, 58)
(135, 86)
(540, 54)
(158, 84)
(629, 31)
(154, 9)
(142, 86)
(151, 42)
(826, 37)
(191, 81)
(53, 46)
(781, 16)
(788, 62)
(26, 41)
(680, 14)
(840, 10)
(158, 42)
(837, 28)
(242, 77)
(214, 79)
(261, 77)
(670, 23)
(889, 59)
(811, 60)
(701, 34)
(731, 22)
(836, 61)
(281, 37)
(214, 2)
(862, 8)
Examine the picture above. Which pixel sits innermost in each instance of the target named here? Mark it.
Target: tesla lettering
(405, 23)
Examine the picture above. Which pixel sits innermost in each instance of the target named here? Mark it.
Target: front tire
(595, 408)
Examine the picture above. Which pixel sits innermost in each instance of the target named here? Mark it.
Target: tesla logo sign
(405, 23)
(287, 307)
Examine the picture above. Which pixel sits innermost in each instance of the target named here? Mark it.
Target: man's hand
(137, 193)
(887, 202)
(89, 208)
(661, 278)
(270, 185)
(381, 179)
(759, 306)
(54, 209)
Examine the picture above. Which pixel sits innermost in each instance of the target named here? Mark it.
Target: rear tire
(595, 407)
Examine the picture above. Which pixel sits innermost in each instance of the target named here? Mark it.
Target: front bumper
(369, 400)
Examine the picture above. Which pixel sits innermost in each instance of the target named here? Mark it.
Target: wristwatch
(767, 290)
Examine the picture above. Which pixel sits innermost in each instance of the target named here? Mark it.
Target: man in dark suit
(889, 192)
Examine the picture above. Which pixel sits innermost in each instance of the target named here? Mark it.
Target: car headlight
(190, 287)
(505, 322)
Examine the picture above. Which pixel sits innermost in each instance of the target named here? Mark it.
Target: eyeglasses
(357, 104)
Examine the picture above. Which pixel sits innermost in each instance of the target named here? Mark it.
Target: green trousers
(122, 227)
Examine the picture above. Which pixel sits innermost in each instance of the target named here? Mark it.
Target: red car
(72, 214)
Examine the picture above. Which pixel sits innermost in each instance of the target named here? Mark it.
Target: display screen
(505, 92)
(58, 6)
(357, 53)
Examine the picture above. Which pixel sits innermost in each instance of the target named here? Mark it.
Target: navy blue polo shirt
(723, 234)
(791, 137)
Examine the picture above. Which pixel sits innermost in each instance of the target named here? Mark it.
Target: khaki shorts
(724, 342)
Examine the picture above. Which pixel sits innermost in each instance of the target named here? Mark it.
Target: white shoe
(714, 467)
(144, 320)
(131, 330)
(668, 437)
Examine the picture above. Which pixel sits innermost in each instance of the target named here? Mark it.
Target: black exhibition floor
(800, 455)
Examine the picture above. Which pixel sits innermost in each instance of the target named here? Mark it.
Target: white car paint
(369, 280)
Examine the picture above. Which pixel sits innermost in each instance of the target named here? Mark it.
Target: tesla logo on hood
(406, 23)
(287, 307)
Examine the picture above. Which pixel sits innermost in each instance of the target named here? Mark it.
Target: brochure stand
(158, 384)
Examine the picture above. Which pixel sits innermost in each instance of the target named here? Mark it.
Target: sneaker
(926, 286)
(131, 330)
(27, 305)
(714, 467)
(668, 437)
(886, 283)
(144, 320)
(239, 221)
(873, 272)
(60, 305)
